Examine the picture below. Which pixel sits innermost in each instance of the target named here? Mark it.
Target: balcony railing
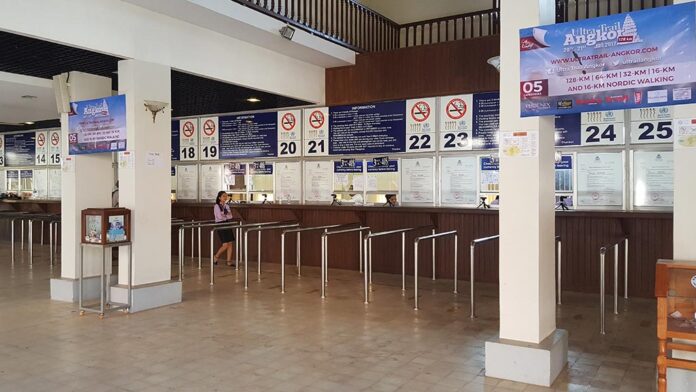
(349, 24)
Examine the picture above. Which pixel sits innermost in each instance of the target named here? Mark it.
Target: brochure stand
(105, 277)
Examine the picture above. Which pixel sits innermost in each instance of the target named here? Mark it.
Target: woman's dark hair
(389, 196)
(217, 199)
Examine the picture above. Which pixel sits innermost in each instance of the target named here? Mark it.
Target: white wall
(129, 31)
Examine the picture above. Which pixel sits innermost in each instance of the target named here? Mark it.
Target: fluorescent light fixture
(29, 122)
(287, 32)
(253, 99)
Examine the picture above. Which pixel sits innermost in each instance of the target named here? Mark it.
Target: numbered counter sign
(188, 139)
(456, 123)
(289, 133)
(41, 148)
(420, 125)
(316, 131)
(54, 148)
(210, 139)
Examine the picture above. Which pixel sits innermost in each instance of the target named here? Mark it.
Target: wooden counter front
(582, 232)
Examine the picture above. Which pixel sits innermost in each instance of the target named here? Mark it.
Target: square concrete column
(86, 183)
(529, 349)
(144, 186)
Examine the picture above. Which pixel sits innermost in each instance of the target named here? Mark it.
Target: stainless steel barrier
(602, 253)
(53, 226)
(258, 244)
(368, 257)
(15, 217)
(299, 232)
(183, 225)
(239, 229)
(182, 236)
(558, 269)
(31, 218)
(325, 253)
(415, 261)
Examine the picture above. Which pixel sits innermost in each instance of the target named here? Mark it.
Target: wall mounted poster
(318, 181)
(417, 184)
(249, 135)
(367, 129)
(600, 179)
(20, 149)
(489, 175)
(211, 181)
(288, 184)
(653, 179)
(630, 60)
(564, 174)
(187, 182)
(458, 180)
(316, 131)
(97, 125)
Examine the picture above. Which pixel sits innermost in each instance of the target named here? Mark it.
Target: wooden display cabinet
(105, 225)
(675, 289)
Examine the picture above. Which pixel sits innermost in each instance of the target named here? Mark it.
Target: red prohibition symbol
(55, 138)
(288, 121)
(456, 108)
(420, 111)
(209, 127)
(316, 119)
(188, 129)
(41, 139)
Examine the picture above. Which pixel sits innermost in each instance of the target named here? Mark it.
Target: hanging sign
(456, 123)
(652, 125)
(41, 148)
(420, 125)
(209, 138)
(368, 129)
(97, 125)
(602, 128)
(630, 60)
(249, 135)
(316, 131)
(54, 147)
(188, 139)
(289, 133)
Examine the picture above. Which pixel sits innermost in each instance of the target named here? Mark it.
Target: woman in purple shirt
(222, 214)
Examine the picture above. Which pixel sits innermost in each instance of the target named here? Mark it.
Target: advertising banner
(630, 60)
(97, 125)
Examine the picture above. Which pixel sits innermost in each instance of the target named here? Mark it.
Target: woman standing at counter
(222, 214)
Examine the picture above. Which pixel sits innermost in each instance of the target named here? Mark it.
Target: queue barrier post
(602, 279)
(325, 252)
(472, 272)
(415, 261)
(258, 230)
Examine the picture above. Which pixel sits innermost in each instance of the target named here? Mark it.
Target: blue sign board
(20, 149)
(391, 167)
(490, 164)
(26, 174)
(348, 166)
(249, 136)
(367, 129)
(486, 120)
(261, 168)
(566, 162)
(631, 60)
(568, 132)
(175, 140)
(97, 125)
(14, 174)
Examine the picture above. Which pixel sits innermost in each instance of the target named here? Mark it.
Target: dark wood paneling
(422, 71)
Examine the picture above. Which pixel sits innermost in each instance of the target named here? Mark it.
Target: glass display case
(105, 225)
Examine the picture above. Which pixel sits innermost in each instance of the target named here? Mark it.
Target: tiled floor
(223, 339)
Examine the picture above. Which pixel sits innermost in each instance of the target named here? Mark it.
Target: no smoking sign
(41, 140)
(316, 119)
(420, 111)
(188, 129)
(288, 121)
(209, 128)
(456, 108)
(55, 138)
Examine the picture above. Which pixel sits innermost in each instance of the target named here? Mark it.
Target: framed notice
(54, 147)
(40, 190)
(489, 174)
(210, 181)
(41, 151)
(97, 125)
(652, 125)
(54, 183)
(209, 139)
(2, 150)
(418, 180)
(420, 125)
(600, 179)
(458, 180)
(316, 131)
(289, 133)
(288, 182)
(602, 128)
(318, 181)
(188, 139)
(456, 123)
(653, 179)
(187, 182)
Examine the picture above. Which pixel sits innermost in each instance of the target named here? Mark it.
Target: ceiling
(191, 94)
(407, 11)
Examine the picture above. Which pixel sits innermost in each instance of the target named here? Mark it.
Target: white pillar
(530, 349)
(86, 183)
(144, 185)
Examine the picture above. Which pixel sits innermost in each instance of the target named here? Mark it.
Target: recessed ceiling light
(29, 96)
(253, 99)
(29, 122)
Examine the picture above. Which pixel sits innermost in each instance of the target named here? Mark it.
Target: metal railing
(571, 10)
(299, 232)
(325, 253)
(192, 224)
(602, 255)
(367, 247)
(415, 261)
(258, 244)
(31, 218)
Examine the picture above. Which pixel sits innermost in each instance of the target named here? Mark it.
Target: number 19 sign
(632, 60)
